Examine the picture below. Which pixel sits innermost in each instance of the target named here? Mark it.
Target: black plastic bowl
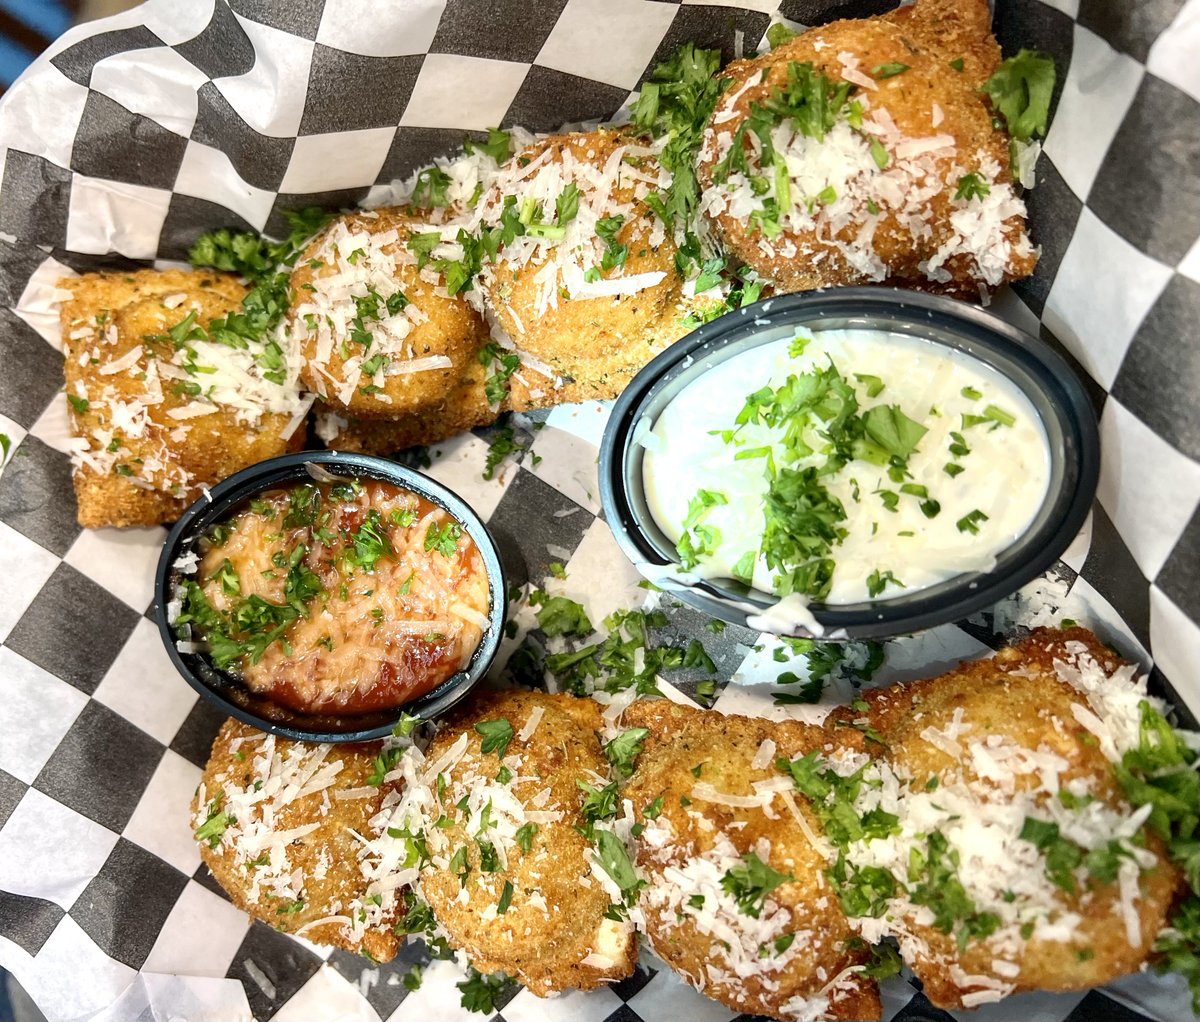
(226, 691)
(1045, 379)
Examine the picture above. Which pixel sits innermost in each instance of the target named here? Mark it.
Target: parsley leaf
(496, 736)
(622, 752)
(750, 882)
(971, 186)
(613, 857)
(894, 431)
(481, 993)
(1021, 89)
(443, 538)
(559, 615)
(498, 145)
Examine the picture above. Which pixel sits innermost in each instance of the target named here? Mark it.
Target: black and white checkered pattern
(135, 134)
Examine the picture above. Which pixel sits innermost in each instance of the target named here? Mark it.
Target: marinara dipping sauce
(338, 598)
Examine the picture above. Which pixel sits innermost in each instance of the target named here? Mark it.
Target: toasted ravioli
(512, 881)
(1018, 863)
(588, 291)
(716, 809)
(875, 192)
(380, 338)
(465, 407)
(277, 822)
(158, 416)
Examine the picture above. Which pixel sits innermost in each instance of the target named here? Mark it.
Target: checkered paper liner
(134, 134)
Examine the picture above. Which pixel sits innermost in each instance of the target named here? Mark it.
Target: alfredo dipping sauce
(845, 465)
(341, 597)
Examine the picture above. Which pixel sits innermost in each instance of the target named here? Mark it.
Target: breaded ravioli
(278, 824)
(380, 338)
(158, 410)
(579, 272)
(512, 881)
(897, 174)
(1016, 862)
(736, 899)
(465, 406)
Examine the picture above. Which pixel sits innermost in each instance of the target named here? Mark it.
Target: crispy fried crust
(464, 407)
(546, 948)
(723, 748)
(593, 345)
(327, 857)
(925, 37)
(446, 326)
(1019, 695)
(109, 315)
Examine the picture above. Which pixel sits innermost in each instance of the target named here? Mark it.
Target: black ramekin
(226, 691)
(1039, 372)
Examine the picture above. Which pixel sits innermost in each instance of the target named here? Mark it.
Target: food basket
(133, 135)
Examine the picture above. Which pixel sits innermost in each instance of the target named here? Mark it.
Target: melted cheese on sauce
(375, 638)
(1005, 476)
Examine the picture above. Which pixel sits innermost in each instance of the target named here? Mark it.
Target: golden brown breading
(357, 256)
(999, 727)
(592, 345)
(465, 407)
(137, 464)
(688, 846)
(920, 234)
(247, 776)
(552, 935)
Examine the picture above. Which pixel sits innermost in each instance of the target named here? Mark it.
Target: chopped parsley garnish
(369, 542)
(778, 34)
(459, 865)
(674, 103)
(406, 725)
(889, 70)
(750, 882)
(1020, 90)
(496, 735)
(481, 993)
(699, 540)
(615, 253)
(443, 538)
(654, 809)
(613, 857)
(430, 188)
(970, 521)
(215, 823)
(934, 883)
(560, 615)
(622, 752)
(80, 404)
(524, 836)
(501, 446)
(599, 804)
(878, 581)
(503, 363)
(971, 186)
(879, 153)
(498, 145)
(505, 898)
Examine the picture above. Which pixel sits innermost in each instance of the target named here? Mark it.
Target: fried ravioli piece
(784, 955)
(380, 338)
(877, 193)
(465, 406)
(276, 821)
(589, 292)
(512, 882)
(157, 417)
(995, 903)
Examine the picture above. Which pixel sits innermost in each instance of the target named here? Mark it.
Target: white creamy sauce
(1005, 476)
